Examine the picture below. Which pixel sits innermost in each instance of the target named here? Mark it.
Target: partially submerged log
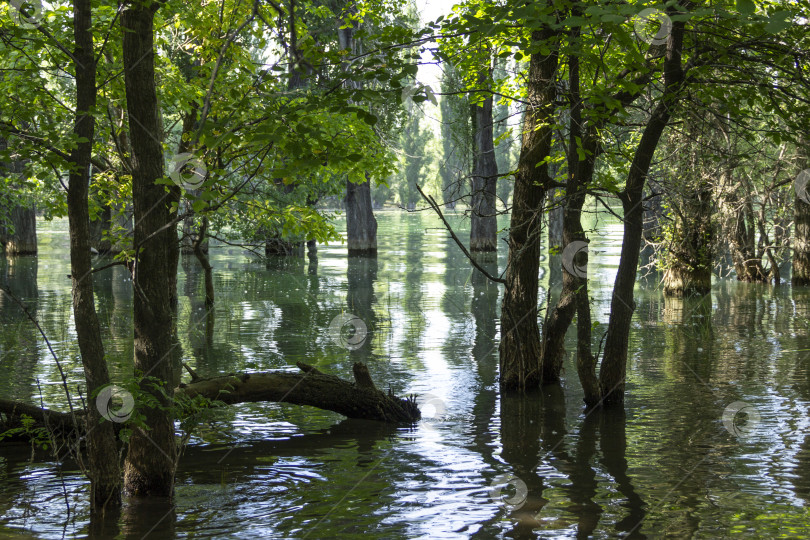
(354, 399)
(357, 399)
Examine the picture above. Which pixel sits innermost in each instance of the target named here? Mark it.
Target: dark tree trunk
(20, 238)
(202, 257)
(614, 363)
(105, 479)
(361, 225)
(520, 337)
(483, 223)
(555, 221)
(149, 466)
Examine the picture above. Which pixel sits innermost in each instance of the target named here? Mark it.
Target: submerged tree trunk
(520, 337)
(689, 258)
(483, 223)
(105, 480)
(150, 460)
(18, 228)
(361, 225)
(20, 237)
(614, 363)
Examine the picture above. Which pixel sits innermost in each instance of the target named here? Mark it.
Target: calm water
(480, 465)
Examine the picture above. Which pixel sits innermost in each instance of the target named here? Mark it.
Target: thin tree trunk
(149, 466)
(614, 363)
(483, 223)
(520, 336)
(205, 263)
(105, 479)
(800, 274)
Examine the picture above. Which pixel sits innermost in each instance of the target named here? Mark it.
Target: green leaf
(746, 7)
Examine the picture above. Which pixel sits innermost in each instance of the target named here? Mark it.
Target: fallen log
(354, 399)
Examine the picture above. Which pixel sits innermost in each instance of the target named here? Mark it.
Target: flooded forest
(360, 268)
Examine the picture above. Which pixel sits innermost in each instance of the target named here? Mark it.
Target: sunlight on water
(678, 462)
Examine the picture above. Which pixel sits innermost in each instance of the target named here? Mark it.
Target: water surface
(479, 465)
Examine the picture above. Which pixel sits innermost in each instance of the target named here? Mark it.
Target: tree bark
(614, 363)
(361, 225)
(359, 398)
(520, 337)
(801, 244)
(689, 260)
(800, 273)
(105, 480)
(22, 240)
(483, 222)
(149, 465)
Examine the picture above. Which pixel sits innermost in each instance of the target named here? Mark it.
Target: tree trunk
(800, 273)
(149, 466)
(105, 480)
(483, 223)
(801, 244)
(555, 220)
(22, 238)
(361, 225)
(355, 399)
(520, 337)
(614, 363)
(689, 259)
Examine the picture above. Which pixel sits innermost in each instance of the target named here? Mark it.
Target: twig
(432, 202)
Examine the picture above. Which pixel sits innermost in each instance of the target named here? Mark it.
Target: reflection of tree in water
(536, 450)
(801, 478)
(361, 277)
(412, 301)
(19, 342)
